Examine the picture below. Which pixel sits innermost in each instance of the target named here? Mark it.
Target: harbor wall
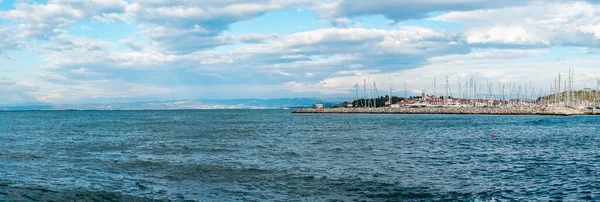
(455, 110)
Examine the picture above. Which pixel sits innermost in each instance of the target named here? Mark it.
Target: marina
(561, 98)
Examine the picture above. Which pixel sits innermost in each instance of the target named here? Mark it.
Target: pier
(556, 111)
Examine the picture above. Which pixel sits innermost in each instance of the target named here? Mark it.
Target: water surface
(266, 155)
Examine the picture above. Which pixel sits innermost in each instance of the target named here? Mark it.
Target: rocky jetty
(559, 111)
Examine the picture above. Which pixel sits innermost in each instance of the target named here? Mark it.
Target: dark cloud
(134, 45)
(8, 42)
(181, 26)
(399, 10)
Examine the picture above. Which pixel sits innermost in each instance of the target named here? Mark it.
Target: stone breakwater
(453, 110)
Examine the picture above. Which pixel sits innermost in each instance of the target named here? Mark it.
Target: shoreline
(551, 111)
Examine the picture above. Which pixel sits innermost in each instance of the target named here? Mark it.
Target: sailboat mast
(468, 91)
(434, 92)
(391, 82)
(519, 96)
(572, 85)
(446, 96)
(405, 89)
(597, 89)
(570, 90)
(540, 97)
(503, 94)
(566, 95)
(491, 98)
(525, 96)
(459, 90)
(489, 93)
(376, 95)
(366, 96)
(475, 95)
(559, 87)
(390, 96)
(356, 86)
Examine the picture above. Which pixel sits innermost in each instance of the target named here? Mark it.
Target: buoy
(493, 136)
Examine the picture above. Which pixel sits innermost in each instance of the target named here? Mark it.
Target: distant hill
(588, 94)
(177, 104)
(26, 107)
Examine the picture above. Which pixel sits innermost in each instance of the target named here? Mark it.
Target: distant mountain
(178, 104)
(266, 103)
(26, 107)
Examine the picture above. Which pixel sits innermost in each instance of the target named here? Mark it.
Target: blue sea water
(274, 155)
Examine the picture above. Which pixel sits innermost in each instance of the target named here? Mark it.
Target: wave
(12, 193)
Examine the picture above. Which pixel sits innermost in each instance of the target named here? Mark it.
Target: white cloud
(372, 47)
(503, 35)
(211, 14)
(592, 29)
(537, 23)
(280, 72)
(506, 66)
(16, 91)
(43, 21)
(324, 50)
(357, 73)
(199, 23)
(172, 51)
(8, 42)
(485, 57)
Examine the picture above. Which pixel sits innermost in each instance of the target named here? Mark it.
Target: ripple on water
(267, 155)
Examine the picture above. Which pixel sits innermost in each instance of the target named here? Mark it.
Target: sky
(82, 51)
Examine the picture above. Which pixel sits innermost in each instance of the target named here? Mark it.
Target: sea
(275, 155)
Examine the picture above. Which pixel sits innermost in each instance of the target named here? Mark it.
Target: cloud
(333, 49)
(323, 50)
(183, 41)
(485, 57)
(399, 10)
(536, 24)
(182, 26)
(8, 42)
(503, 35)
(16, 92)
(271, 61)
(43, 21)
(352, 40)
(504, 66)
(280, 72)
(213, 16)
(173, 51)
(134, 45)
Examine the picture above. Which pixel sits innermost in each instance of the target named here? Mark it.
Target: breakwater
(455, 110)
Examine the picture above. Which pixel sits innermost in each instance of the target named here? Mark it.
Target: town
(524, 98)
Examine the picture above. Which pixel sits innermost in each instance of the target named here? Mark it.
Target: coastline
(554, 111)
